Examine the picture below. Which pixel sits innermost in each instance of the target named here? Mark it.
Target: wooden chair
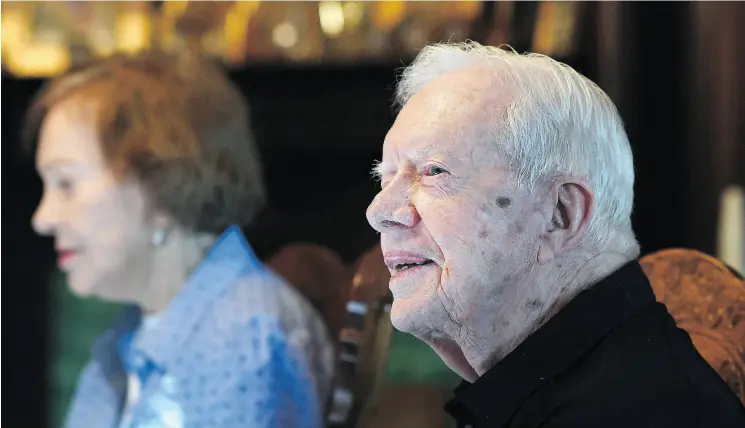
(707, 299)
(355, 304)
(365, 341)
(320, 275)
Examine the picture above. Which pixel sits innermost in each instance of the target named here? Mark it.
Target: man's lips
(401, 261)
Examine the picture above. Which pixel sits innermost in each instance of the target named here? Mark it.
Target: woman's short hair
(177, 124)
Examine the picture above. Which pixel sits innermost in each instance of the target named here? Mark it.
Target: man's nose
(392, 208)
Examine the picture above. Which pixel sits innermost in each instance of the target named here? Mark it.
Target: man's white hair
(560, 122)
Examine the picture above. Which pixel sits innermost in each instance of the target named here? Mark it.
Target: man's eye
(434, 170)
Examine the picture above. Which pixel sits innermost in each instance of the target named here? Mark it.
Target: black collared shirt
(613, 357)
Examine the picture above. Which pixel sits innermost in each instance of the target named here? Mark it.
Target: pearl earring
(159, 237)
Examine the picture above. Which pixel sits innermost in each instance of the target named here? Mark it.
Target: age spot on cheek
(503, 202)
(534, 305)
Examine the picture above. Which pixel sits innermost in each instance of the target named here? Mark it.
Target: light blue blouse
(238, 347)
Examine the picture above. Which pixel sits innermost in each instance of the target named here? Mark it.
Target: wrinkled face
(457, 235)
(98, 222)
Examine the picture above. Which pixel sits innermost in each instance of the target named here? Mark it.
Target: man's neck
(558, 283)
(574, 276)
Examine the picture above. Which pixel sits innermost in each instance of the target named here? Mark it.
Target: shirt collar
(571, 333)
(230, 258)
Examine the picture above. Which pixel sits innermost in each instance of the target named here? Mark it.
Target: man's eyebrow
(422, 153)
(432, 151)
(380, 168)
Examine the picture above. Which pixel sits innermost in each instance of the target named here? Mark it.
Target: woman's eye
(434, 170)
(65, 185)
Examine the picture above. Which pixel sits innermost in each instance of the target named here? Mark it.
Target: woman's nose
(44, 220)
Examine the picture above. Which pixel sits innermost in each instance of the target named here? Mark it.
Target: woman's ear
(161, 228)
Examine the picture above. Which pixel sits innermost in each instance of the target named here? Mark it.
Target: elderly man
(507, 189)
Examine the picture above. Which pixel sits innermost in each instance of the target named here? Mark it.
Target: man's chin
(401, 318)
(406, 321)
(413, 316)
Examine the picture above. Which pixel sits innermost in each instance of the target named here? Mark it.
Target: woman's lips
(64, 257)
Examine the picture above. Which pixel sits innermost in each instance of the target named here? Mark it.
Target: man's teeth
(406, 266)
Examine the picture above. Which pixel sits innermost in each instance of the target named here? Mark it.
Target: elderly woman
(148, 164)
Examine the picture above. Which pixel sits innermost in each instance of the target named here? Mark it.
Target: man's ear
(572, 207)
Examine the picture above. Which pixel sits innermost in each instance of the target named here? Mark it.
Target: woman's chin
(88, 289)
(80, 288)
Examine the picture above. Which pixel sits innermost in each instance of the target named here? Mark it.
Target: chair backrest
(355, 304)
(320, 275)
(365, 341)
(707, 299)
(731, 236)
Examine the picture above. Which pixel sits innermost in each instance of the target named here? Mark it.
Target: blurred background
(319, 78)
